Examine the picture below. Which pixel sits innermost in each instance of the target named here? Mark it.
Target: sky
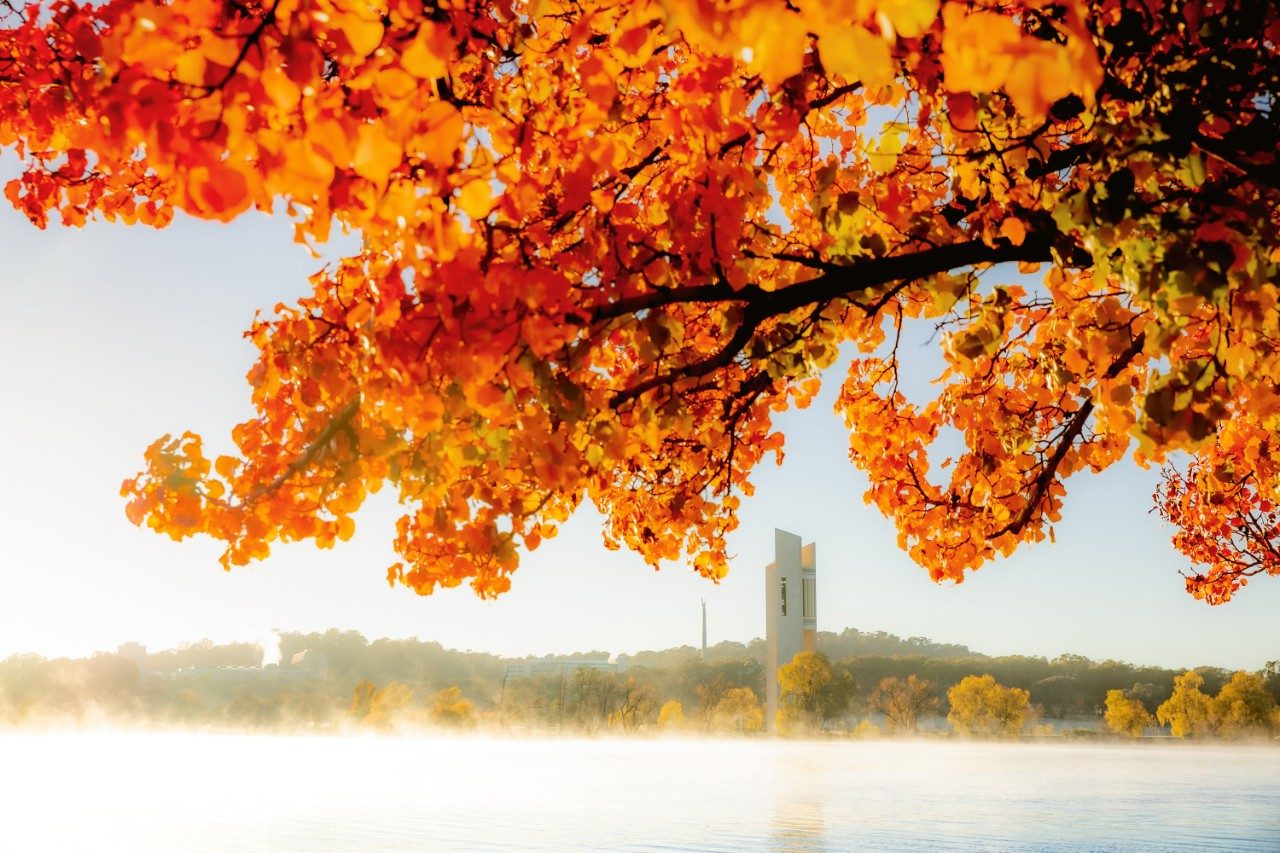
(111, 336)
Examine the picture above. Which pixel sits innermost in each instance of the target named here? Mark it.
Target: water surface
(171, 792)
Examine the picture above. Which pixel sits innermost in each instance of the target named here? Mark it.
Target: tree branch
(838, 281)
(1040, 486)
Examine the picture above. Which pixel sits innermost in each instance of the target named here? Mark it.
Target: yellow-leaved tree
(380, 708)
(738, 710)
(811, 692)
(671, 715)
(982, 707)
(1125, 714)
(1245, 707)
(1187, 711)
(449, 708)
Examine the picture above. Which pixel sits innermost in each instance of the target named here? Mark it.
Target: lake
(213, 792)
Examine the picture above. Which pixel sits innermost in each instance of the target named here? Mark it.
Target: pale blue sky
(112, 336)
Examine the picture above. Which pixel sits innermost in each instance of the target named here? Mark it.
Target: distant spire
(704, 629)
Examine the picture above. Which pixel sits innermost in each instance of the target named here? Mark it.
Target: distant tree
(1187, 710)
(449, 708)
(1125, 715)
(710, 693)
(1271, 678)
(635, 705)
(981, 706)
(305, 704)
(1060, 695)
(595, 697)
(23, 681)
(671, 715)
(851, 642)
(701, 683)
(811, 691)
(535, 701)
(252, 709)
(1244, 707)
(903, 701)
(738, 711)
(866, 729)
(186, 707)
(380, 708)
(1150, 695)
(362, 699)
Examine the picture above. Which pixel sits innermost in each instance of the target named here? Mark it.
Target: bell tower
(791, 611)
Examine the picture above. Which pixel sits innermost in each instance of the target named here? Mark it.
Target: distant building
(309, 665)
(555, 667)
(791, 608)
(312, 661)
(135, 652)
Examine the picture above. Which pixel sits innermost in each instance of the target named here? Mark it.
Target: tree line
(857, 682)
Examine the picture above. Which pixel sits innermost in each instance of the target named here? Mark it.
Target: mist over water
(166, 792)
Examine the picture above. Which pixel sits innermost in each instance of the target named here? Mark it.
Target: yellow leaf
(883, 154)
(376, 155)
(777, 38)
(476, 199)
(1013, 230)
(282, 91)
(394, 84)
(977, 49)
(363, 34)
(910, 18)
(422, 58)
(226, 466)
(442, 129)
(856, 53)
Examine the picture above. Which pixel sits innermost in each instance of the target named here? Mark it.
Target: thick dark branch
(838, 281)
(835, 95)
(1267, 175)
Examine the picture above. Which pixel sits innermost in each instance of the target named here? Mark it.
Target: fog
(161, 792)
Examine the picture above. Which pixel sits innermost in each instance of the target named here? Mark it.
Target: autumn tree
(380, 708)
(738, 710)
(982, 707)
(636, 704)
(671, 715)
(449, 708)
(903, 701)
(1244, 707)
(1187, 710)
(1125, 714)
(602, 244)
(811, 692)
(595, 697)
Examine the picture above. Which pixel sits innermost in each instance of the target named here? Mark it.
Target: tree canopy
(604, 243)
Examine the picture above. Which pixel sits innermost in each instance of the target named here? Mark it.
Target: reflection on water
(169, 792)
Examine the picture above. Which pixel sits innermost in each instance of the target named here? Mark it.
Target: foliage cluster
(604, 243)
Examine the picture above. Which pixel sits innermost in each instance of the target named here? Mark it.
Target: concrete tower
(704, 629)
(791, 607)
